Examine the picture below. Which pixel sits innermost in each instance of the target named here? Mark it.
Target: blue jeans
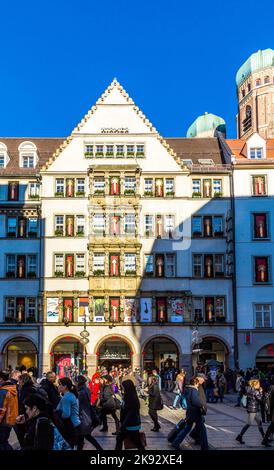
(209, 394)
(186, 430)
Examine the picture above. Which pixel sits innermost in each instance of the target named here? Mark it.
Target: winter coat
(202, 397)
(107, 401)
(84, 399)
(130, 416)
(254, 398)
(8, 403)
(194, 404)
(271, 403)
(155, 399)
(94, 388)
(52, 392)
(38, 434)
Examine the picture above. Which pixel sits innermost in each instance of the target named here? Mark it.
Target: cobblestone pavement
(223, 422)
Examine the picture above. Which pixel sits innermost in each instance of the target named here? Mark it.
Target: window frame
(255, 305)
(253, 227)
(269, 272)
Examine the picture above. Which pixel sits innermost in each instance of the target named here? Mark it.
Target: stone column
(136, 361)
(106, 308)
(91, 307)
(45, 362)
(91, 364)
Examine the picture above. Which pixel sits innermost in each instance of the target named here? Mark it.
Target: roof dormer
(4, 157)
(256, 147)
(28, 156)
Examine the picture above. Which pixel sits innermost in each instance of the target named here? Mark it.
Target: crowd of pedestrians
(60, 413)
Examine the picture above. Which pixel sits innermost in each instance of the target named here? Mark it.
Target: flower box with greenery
(140, 154)
(148, 193)
(34, 196)
(10, 274)
(130, 272)
(129, 192)
(80, 233)
(32, 234)
(99, 154)
(98, 272)
(80, 193)
(79, 274)
(88, 154)
(109, 154)
(59, 194)
(31, 275)
(59, 233)
(196, 194)
(99, 192)
(130, 154)
(120, 154)
(149, 233)
(218, 194)
(170, 193)
(59, 274)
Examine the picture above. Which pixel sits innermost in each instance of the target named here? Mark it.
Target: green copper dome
(206, 125)
(257, 61)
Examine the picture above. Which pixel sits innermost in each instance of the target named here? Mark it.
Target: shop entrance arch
(213, 353)
(265, 358)
(160, 352)
(67, 356)
(20, 351)
(114, 352)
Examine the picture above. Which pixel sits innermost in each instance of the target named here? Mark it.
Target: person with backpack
(8, 409)
(253, 402)
(130, 417)
(86, 426)
(108, 403)
(67, 411)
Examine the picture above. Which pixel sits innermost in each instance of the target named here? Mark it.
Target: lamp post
(84, 341)
(196, 338)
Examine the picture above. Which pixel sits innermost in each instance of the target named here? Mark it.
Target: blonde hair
(253, 383)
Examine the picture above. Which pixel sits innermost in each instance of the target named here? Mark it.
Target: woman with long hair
(254, 397)
(68, 410)
(130, 417)
(85, 429)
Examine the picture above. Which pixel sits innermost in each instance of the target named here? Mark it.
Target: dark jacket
(130, 416)
(155, 399)
(202, 397)
(254, 398)
(24, 393)
(84, 399)
(52, 392)
(107, 401)
(39, 434)
(271, 403)
(194, 404)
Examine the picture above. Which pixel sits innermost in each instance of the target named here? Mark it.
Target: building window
(59, 187)
(197, 265)
(80, 186)
(140, 150)
(218, 265)
(79, 264)
(256, 152)
(99, 151)
(149, 265)
(119, 150)
(170, 265)
(98, 223)
(260, 226)
(32, 266)
(34, 190)
(99, 185)
(13, 191)
(259, 185)
(247, 121)
(267, 79)
(196, 187)
(169, 225)
(59, 225)
(148, 187)
(12, 227)
(196, 226)
(161, 309)
(217, 187)
(207, 226)
(114, 186)
(169, 186)
(28, 161)
(2, 160)
(129, 223)
(218, 226)
(32, 227)
(263, 314)
(130, 151)
(149, 229)
(249, 87)
(109, 150)
(130, 263)
(219, 308)
(98, 263)
(114, 265)
(130, 185)
(59, 265)
(89, 150)
(258, 82)
(243, 93)
(80, 225)
(198, 309)
(11, 265)
(31, 309)
(10, 309)
(262, 269)
(207, 188)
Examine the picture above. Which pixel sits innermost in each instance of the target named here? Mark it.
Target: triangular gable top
(115, 94)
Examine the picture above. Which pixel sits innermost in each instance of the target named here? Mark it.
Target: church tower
(255, 90)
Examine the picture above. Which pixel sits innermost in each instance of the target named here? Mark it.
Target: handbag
(86, 423)
(117, 403)
(129, 444)
(95, 415)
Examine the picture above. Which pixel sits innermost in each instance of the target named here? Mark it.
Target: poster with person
(52, 309)
(130, 311)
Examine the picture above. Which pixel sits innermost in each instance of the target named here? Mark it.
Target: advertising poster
(130, 311)
(176, 309)
(99, 310)
(146, 310)
(52, 309)
(83, 310)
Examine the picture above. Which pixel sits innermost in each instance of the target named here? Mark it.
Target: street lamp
(84, 341)
(196, 337)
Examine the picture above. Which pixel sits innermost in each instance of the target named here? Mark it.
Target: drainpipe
(234, 274)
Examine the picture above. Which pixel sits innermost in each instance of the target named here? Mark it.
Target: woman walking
(154, 402)
(85, 429)
(108, 404)
(68, 411)
(254, 398)
(179, 390)
(130, 417)
(270, 429)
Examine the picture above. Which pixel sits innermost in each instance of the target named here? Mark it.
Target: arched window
(267, 79)
(28, 155)
(257, 82)
(3, 155)
(248, 87)
(243, 93)
(247, 122)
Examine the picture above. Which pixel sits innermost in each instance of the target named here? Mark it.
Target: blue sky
(176, 59)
